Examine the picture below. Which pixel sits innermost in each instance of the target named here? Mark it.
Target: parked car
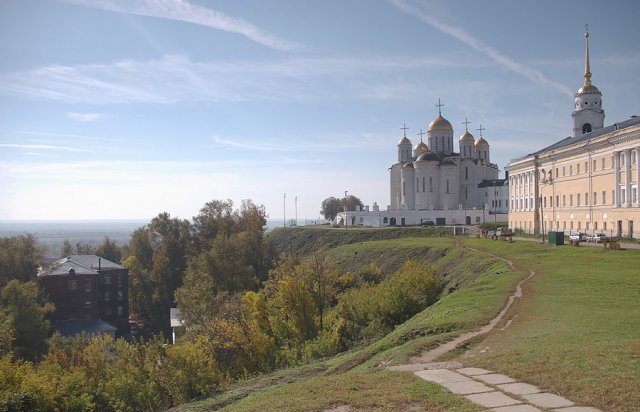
(578, 236)
(428, 223)
(597, 238)
(491, 233)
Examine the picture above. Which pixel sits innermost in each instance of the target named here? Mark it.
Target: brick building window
(72, 284)
(107, 279)
(120, 295)
(87, 285)
(106, 296)
(87, 304)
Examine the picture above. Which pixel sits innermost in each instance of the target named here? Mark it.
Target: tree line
(245, 311)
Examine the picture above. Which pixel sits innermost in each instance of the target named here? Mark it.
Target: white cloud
(43, 147)
(84, 117)
(183, 80)
(421, 11)
(182, 10)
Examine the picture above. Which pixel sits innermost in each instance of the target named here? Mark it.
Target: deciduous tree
(330, 208)
(20, 257)
(25, 310)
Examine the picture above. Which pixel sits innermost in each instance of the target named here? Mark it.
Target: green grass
(577, 331)
(477, 287)
(370, 391)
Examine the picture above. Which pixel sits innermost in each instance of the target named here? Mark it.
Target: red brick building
(88, 287)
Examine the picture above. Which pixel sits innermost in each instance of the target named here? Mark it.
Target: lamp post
(284, 215)
(541, 218)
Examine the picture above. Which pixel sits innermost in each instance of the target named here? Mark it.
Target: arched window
(586, 128)
(385, 220)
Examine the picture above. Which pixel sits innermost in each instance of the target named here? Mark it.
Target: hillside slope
(476, 289)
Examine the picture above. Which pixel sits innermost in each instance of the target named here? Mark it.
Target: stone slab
(473, 371)
(492, 399)
(413, 367)
(579, 409)
(441, 376)
(442, 365)
(495, 378)
(466, 388)
(547, 400)
(518, 388)
(516, 408)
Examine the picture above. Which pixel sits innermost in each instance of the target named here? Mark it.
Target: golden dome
(481, 142)
(588, 88)
(421, 148)
(466, 137)
(440, 123)
(404, 140)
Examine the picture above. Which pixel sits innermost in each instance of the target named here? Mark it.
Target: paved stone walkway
(497, 392)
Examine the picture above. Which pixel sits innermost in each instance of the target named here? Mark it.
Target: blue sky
(121, 109)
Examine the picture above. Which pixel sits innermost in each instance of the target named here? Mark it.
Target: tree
(25, 309)
(196, 300)
(109, 250)
(330, 208)
(215, 217)
(351, 202)
(20, 257)
(140, 303)
(321, 278)
(84, 249)
(67, 249)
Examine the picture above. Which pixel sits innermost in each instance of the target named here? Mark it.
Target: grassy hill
(574, 333)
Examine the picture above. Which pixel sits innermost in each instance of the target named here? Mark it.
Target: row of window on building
(525, 179)
(564, 225)
(568, 200)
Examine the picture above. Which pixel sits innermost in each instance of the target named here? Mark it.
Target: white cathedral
(433, 184)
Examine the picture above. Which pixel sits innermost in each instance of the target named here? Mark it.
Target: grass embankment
(477, 288)
(306, 240)
(577, 330)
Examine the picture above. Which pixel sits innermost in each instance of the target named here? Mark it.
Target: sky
(123, 109)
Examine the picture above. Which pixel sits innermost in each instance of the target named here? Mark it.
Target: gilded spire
(587, 69)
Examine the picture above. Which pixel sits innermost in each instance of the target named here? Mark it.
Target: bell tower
(588, 114)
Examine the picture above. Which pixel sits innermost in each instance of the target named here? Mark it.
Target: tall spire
(587, 69)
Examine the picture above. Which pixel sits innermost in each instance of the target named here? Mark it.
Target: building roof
(440, 123)
(466, 137)
(81, 265)
(569, 141)
(93, 327)
(94, 262)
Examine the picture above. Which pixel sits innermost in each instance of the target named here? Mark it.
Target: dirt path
(417, 362)
(431, 355)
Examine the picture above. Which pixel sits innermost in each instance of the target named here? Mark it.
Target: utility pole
(284, 215)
